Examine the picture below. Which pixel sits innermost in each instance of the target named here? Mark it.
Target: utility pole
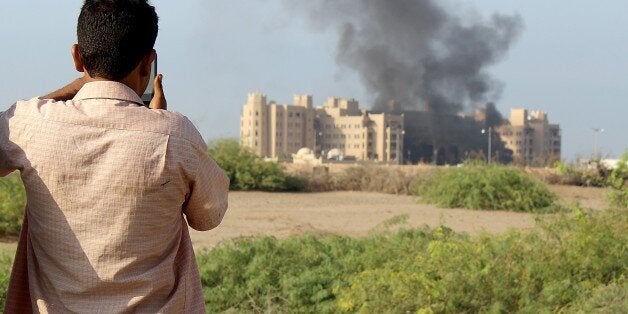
(595, 139)
(490, 142)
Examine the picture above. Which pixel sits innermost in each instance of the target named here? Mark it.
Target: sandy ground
(358, 213)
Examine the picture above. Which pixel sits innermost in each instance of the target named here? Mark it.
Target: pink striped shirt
(111, 188)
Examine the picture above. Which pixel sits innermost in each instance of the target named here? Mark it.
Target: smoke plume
(417, 52)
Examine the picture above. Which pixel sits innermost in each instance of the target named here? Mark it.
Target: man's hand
(159, 100)
(67, 92)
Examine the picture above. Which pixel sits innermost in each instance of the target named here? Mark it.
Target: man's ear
(146, 63)
(76, 56)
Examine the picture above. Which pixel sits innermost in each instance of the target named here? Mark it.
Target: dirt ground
(358, 213)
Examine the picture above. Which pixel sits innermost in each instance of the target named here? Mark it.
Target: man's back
(107, 183)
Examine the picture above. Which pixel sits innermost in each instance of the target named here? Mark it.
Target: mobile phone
(150, 89)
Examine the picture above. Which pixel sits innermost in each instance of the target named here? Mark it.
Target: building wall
(532, 139)
(278, 131)
(254, 128)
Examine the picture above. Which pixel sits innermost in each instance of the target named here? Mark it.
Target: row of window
(343, 145)
(290, 144)
(280, 114)
(343, 136)
(290, 134)
(342, 126)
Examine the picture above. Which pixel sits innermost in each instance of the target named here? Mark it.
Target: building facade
(533, 140)
(337, 130)
(274, 130)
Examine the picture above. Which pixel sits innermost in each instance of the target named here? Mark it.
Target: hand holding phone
(159, 99)
(149, 93)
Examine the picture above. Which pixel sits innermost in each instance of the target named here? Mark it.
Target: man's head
(114, 36)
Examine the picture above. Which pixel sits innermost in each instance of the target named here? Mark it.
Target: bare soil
(358, 213)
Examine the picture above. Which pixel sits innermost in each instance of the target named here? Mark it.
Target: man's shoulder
(29, 107)
(176, 125)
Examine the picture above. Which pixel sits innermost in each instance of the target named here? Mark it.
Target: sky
(571, 61)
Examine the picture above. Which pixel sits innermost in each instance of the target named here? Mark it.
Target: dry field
(358, 213)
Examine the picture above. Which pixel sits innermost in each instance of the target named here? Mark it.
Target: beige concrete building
(533, 140)
(337, 130)
(277, 131)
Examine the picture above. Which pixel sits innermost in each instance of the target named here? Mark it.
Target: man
(109, 183)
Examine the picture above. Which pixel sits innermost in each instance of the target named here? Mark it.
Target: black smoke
(417, 52)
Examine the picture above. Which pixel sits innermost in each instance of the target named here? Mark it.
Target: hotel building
(338, 130)
(533, 140)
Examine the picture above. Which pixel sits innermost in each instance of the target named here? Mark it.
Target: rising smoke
(417, 52)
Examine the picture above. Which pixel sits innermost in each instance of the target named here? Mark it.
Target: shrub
(573, 262)
(618, 195)
(485, 188)
(6, 263)
(362, 178)
(12, 203)
(249, 172)
(572, 259)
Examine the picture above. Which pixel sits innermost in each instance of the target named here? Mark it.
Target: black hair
(114, 36)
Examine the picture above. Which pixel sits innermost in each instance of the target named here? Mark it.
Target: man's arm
(67, 92)
(208, 201)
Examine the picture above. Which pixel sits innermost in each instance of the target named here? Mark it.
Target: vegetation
(249, 172)
(6, 262)
(485, 188)
(617, 182)
(12, 204)
(573, 261)
(362, 178)
(576, 259)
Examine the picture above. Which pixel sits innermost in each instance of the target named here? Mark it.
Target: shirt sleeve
(5, 161)
(208, 202)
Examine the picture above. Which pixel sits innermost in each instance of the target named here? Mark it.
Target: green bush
(573, 262)
(6, 262)
(618, 195)
(249, 172)
(572, 259)
(12, 203)
(485, 188)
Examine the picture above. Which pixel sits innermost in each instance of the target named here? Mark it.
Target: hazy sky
(571, 60)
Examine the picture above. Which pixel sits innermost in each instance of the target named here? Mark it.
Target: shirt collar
(107, 90)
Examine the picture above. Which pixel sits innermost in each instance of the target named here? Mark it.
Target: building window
(298, 114)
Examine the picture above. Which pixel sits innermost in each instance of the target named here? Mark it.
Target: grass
(577, 259)
(12, 204)
(571, 262)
